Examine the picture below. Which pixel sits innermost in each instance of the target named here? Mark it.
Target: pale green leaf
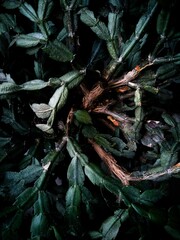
(45, 128)
(30, 40)
(41, 110)
(35, 84)
(28, 11)
(114, 24)
(9, 87)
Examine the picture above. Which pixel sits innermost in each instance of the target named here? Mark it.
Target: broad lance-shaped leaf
(58, 51)
(140, 27)
(11, 4)
(40, 221)
(73, 200)
(26, 198)
(33, 85)
(41, 110)
(75, 172)
(29, 174)
(98, 27)
(7, 20)
(97, 177)
(73, 78)
(10, 87)
(59, 98)
(83, 117)
(44, 9)
(163, 22)
(39, 225)
(74, 150)
(30, 40)
(111, 225)
(28, 11)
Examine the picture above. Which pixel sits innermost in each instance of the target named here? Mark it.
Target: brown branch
(111, 163)
(91, 96)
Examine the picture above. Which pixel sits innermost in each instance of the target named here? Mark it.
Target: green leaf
(56, 233)
(45, 128)
(41, 110)
(101, 31)
(73, 78)
(58, 51)
(30, 40)
(75, 172)
(88, 18)
(168, 158)
(26, 198)
(163, 22)
(83, 117)
(73, 200)
(169, 119)
(59, 98)
(89, 131)
(131, 193)
(111, 225)
(44, 9)
(113, 49)
(34, 85)
(114, 24)
(98, 27)
(8, 20)
(28, 11)
(150, 197)
(11, 4)
(39, 225)
(9, 87)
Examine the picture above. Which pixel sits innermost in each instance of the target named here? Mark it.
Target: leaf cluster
(89, 119)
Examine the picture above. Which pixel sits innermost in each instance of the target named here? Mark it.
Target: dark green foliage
(89, 120)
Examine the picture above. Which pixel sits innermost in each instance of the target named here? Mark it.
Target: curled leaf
(41, 110)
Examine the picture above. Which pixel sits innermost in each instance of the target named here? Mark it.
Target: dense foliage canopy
(90, 119)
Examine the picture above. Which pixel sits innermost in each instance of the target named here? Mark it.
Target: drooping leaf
(75, 172)
(73, 200)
